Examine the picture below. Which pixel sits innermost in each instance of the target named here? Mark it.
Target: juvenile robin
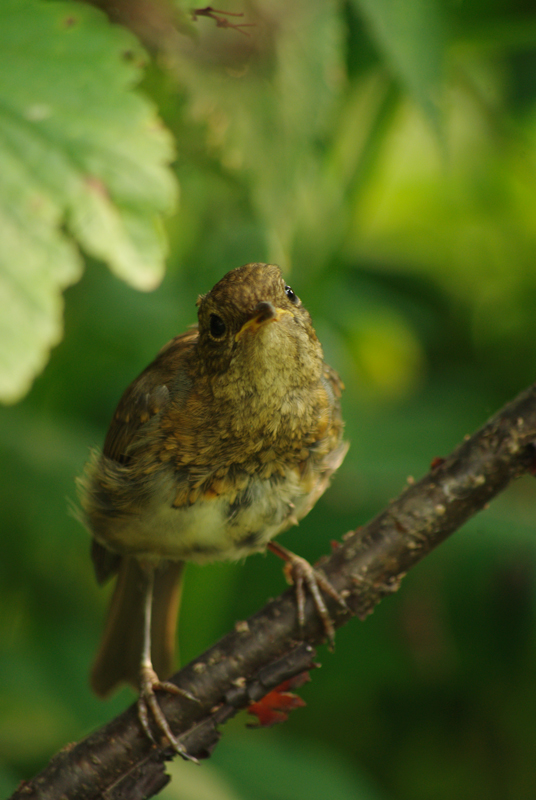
(229, 437)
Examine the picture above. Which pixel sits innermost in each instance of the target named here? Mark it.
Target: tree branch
(119, 761)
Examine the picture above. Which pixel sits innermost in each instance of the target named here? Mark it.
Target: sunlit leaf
(82, 163)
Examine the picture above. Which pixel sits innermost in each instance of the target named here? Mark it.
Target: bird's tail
(118, 658)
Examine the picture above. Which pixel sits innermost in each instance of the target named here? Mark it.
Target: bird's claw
(299, 572)
(149, 683)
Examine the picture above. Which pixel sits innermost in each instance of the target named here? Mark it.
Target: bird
(225, 440)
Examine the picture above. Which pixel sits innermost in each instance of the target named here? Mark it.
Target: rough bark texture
(118, 761)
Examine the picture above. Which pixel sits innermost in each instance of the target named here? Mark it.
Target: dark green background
(386, 156)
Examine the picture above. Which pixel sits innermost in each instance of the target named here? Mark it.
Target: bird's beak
(264, 313)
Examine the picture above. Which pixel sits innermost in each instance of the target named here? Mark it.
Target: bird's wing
(146, 396)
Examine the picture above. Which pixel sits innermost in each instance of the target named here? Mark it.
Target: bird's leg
(299, 572)
(149, 680)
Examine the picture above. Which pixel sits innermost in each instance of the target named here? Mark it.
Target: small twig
(222, 21)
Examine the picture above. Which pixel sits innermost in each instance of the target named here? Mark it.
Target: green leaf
(412, 38)
(83, 163)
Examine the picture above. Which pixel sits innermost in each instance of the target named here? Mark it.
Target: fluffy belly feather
(210, 529)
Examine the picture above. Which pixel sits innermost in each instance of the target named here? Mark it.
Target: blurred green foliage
(385, 155)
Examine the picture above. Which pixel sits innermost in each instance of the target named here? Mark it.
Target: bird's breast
(227, 526)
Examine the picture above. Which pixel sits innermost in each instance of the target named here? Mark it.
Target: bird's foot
(149, 684)
(299, 572)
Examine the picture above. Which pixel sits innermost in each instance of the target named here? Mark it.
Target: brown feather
(118, 658)
(146, 396)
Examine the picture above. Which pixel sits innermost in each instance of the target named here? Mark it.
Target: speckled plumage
(222, 442)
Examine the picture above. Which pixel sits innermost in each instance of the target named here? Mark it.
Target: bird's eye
(217, 326)
(291, 296)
